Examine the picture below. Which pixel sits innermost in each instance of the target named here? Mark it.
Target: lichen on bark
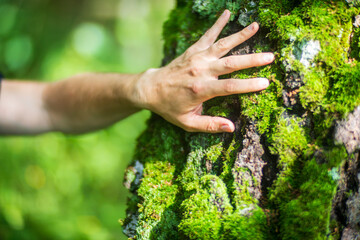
(290, 170)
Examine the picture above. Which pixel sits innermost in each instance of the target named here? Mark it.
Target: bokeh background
(70, 187)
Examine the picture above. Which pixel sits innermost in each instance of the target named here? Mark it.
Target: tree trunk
(291, 170)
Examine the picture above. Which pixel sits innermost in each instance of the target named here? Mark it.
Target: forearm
(79, 104)
(88, 102)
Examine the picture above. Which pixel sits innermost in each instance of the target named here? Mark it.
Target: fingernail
(225, 128)
(251, 27)
(263, 83)
(269, 57)
(225, 12)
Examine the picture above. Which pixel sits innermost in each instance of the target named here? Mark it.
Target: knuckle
(194, 71)
(221, 44)
(211, 126)
(244, 34)
(196, 87)
(194, 59)
(191, 60)
(187, 54)
(228, 63)
(207, 34)
(229, 86)
(195, 66)
(191, 52)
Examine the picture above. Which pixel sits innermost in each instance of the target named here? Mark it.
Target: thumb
(211, 124)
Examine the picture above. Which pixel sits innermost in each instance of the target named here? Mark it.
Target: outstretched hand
(177, 91)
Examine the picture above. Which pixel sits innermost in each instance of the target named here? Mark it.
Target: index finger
(224, 45)
(212, 34)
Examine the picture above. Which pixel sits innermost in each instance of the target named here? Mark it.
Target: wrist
(142, 93)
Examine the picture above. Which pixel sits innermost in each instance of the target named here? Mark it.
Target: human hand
(177, 91)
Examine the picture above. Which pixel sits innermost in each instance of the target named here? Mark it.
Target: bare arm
(176, 92)
(79, 104)
(21, 108)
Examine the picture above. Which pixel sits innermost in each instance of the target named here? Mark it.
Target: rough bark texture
(291, 170)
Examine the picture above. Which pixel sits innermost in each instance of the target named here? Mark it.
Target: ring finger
(238, 62)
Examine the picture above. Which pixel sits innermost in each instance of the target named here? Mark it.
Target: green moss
(289, 143)
(313, 93)
(355, 45)
(209, 8)
(289, 140)
(158, 193)
(201, 145)
(188, 189)
(344, 94)
(308, 215)
(241, 195)
(213, 153)
(251, 226)
(304, 212)
(219, 110)
(182, 30)
(161, 151)
(208, 214)
(262, 107)
(228, 159)
(204, 210)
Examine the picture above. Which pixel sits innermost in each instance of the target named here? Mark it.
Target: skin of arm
(92, 101)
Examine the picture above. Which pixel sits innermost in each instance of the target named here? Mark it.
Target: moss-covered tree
(291, 169)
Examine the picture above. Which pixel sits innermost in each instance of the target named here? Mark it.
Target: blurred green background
(70, 187)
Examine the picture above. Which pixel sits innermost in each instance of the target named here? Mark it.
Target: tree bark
(291, 170)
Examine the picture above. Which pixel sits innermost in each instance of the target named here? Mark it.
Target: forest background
(56, 186)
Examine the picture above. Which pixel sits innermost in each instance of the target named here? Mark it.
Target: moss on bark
(277, 176)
